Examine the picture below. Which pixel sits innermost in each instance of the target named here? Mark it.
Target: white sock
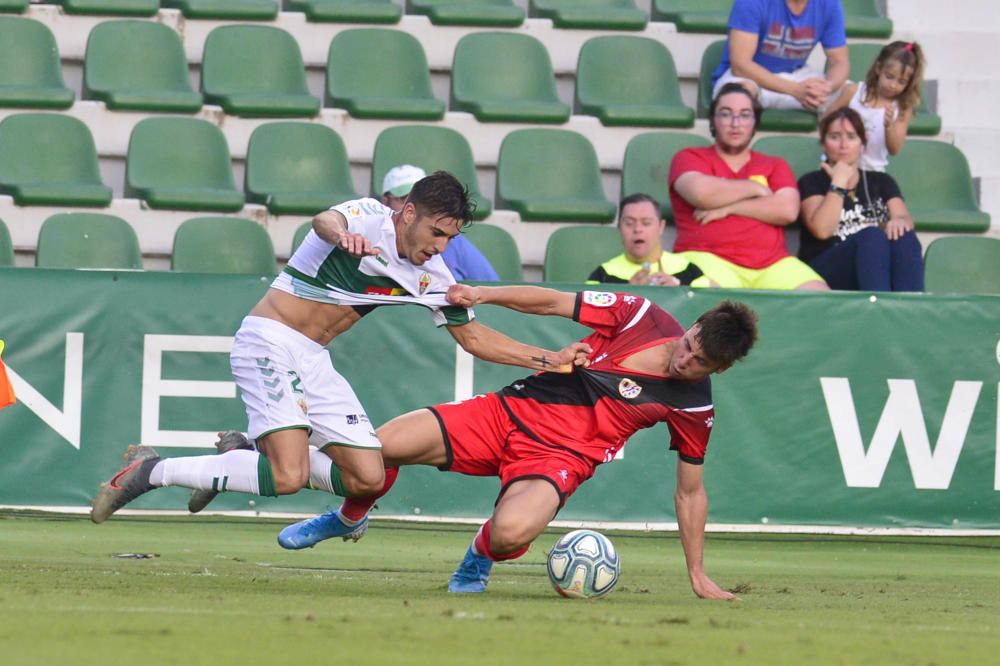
(236, 471)
(319, 471)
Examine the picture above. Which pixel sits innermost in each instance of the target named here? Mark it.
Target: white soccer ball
(583, 565)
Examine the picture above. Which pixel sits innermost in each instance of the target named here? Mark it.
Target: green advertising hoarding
(853, 410)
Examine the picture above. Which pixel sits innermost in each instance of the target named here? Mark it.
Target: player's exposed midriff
(321, 322)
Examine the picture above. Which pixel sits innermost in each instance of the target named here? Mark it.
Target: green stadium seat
(590, 14)
(710, 16)
(223, 245)
(180, 164)
(500, 248)
(802, 153)
(649, 95)
(864, 18)
(957, 264)
(505, 77)
(300, 235)
(924, 122)
(110, 7)
(87, 240)
(297, 168)
(6, 246)
(646, 165)
(256, 70)
(937, 187)
(551, 175)
(13, 6)
(432, 149)
(773, 120)
(30, 71)
(347, 11)
(230, 10)
(48, 159)
(489, 13)
(380, 73)
(572, 253)
(138, 66)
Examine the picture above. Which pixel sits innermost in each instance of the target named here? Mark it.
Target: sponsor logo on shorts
(629, 389)
(425, 282)
(564, 475)
(600, 299)
(710, 421)
(352, 419)
(303, 407)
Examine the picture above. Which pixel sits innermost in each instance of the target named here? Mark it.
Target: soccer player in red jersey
(546, 434)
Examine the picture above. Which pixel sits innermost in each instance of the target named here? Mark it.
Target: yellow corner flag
(6, 390)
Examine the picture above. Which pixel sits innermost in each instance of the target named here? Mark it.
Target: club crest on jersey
(425, 281)
(600, 299)
(629, 389)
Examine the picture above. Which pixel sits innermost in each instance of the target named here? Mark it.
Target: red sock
(482, 544)
(356, 508)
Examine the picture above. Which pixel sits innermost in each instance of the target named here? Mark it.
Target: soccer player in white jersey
(309, 428)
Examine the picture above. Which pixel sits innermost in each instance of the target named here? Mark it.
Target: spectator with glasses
(732, 204)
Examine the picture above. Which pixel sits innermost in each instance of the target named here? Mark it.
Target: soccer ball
(583, 565)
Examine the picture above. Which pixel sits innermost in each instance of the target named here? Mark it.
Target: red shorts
(481, 440)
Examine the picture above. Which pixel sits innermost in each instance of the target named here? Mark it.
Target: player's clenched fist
(463, 295)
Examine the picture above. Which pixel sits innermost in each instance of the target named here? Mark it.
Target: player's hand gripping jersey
(594, 410)
(319, 271)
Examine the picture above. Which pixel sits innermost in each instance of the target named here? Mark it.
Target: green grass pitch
(221, 591)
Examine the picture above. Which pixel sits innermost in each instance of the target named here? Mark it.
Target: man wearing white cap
(462, 258)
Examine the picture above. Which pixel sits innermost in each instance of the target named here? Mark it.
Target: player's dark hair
(734, 87)
(639, 197)
(848, 114)
(442, 195)
(727, 332)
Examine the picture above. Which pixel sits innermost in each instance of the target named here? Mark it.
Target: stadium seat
(256, 70)
(13, 6)
(380, 73)
(347, 11)
(773, 120)
(110, 7)
(646, 165)
(223, 245)
(499, 247)
(297, 168)
(551, 175)
(432, 149)
(937, 187)
(489, 13)
(864, 18)
(649, 95)
(30, 72)
(180, 164)
(300, 235)
(508, 77)
(924, 122)
(590, 14)
(231, 10)
(957, 264)
(710, 16)
(802, 153)
(138, 66)
(48, 159)
(87, 240)
(6, 246)
(573, 253)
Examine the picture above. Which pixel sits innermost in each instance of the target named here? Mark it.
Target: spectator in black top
(856, 230)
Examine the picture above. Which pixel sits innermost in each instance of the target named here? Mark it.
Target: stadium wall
(854, 409)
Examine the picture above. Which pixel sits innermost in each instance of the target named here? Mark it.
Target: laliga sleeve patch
(599, 299)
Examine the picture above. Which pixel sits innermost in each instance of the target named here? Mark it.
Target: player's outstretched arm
(532, 300)
(691, 503)
(492, 345)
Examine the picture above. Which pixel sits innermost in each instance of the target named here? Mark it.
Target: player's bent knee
(288, 482)
(363, 484)
(509, 538)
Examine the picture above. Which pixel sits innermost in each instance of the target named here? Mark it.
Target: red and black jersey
(593, 411)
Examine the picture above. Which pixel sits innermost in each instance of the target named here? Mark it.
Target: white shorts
(288, 381)
(770, 99)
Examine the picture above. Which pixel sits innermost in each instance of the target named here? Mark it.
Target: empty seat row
(863, 18)
(300, 168)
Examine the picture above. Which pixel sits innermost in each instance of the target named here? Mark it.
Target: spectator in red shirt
(731, 204)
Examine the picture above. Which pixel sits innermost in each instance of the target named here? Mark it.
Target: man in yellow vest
(644, 260)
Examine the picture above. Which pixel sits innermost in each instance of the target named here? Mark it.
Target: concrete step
(921, 15)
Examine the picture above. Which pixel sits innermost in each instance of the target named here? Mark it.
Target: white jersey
(876, 154)
(319, 271)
